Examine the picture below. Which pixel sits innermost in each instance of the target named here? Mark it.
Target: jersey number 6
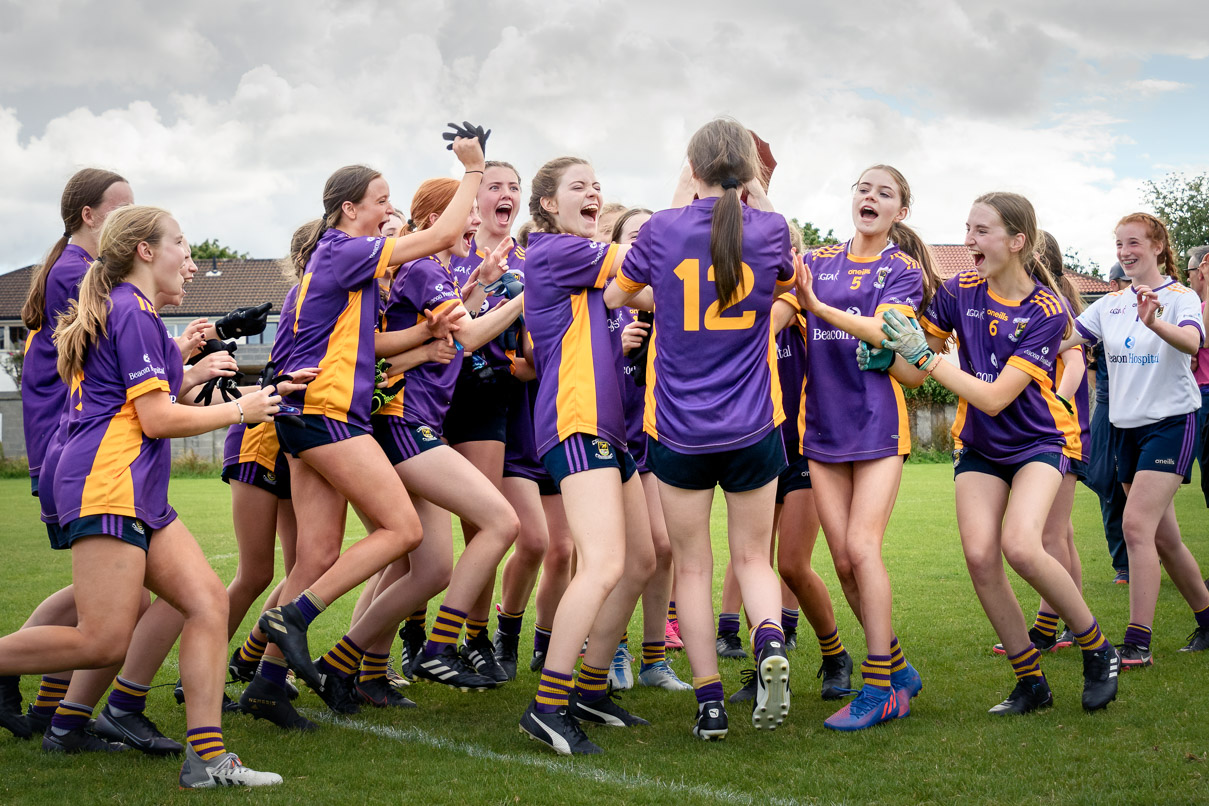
(689, 271)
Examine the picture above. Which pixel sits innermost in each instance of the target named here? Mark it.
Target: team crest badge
(1158, 314)
(138, 527)
(1018, 330)
(270, 477)
(427, 434)
(882, 274)
(603, 449)
(956, 458)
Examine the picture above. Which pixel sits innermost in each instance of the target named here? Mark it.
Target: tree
(811, 235)
(212, 249)
(1182, 203)
(1073, 261)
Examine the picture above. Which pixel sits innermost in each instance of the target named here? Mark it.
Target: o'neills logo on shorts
(1164, 461)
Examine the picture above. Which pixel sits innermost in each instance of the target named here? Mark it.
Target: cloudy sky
(232, 114)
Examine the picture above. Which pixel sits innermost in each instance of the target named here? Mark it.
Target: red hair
(432, 196)
(1156, 231)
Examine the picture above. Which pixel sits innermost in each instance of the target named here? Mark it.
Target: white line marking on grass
(579, 770)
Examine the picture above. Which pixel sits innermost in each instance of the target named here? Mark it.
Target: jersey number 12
(689, 272)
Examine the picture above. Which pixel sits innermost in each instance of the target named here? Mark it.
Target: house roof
(952, 259)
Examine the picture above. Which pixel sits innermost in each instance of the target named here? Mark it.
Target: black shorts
(793, 478)
(479, 411)
(275, 481)
(1168, 446)
(315, 430)
(401, 440)
(580, 452)
(127, 529)
(968, 460)
(735, 471)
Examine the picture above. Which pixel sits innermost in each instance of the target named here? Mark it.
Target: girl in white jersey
(1149, 334)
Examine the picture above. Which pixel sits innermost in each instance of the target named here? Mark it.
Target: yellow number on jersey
(689, 272)
(994, 326)
(856, 283)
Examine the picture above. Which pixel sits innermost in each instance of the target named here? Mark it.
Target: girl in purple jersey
(580, 431)
(124, 373)
(714, 268)
(1010, 436)
(856, 470)
(331, 448)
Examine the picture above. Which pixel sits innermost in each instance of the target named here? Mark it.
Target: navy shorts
(735, 471)
(275, 481)
(479, 411)
(968, 460)
(639, 449)
(33, 486)
(402, 440)
(315, 430)
(1168, 446)
(793, 478)
(124, 528)
(1079, 468)
(580, 452)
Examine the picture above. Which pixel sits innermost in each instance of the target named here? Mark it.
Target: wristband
(236, 402)
(472, 172)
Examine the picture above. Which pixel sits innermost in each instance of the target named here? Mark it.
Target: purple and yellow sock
(653, 652)
(343, 660)
(875, 671)
(309, 605)
(671, 611)
(420, 616)
(70, 716)
(206, 742)
(768, 630)
(1027, 663)
(830, 644)
(591, 683)
(509, 623)
(1092, 639)
(273, 669)
(445, 630)
(1138, 635)
(1046, 624)
(898, 661)
(541, 640)
(252, 649)
(373, 667)
(1202, 617)
(789, 618)
(474, 628)
(128, 697)
(553, 689)
(728, 622)
(51, 692)
(708, 689)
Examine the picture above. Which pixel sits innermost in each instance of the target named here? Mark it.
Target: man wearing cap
(1198, 265)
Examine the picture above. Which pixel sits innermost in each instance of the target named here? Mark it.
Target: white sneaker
(621, 676)
(224, 770)
(661, 675)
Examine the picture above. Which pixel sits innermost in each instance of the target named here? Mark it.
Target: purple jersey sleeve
(580, 263)
(940, 317)
(142, 357)
(355, 260)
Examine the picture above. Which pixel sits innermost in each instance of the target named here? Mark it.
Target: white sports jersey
(1148, 379)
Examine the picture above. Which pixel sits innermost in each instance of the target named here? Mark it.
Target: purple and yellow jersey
(791, 370)
(633, 396)
(421, 285)
(43, 393)
(712, 383)
(993, 333)
(575, 356)
(114, 468)
(1078, 427)
(336, 313)
(462, 267)
(848, 415)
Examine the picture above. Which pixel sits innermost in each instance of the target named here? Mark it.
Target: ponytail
(349, 183)
(908, 240)
(726, 244)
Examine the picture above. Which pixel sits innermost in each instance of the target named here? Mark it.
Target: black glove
(510, 339)
(509, 285)
(243, 322)
(268, 377)
(228, 387)
(637, 357)
(213, 346)
(467, 129)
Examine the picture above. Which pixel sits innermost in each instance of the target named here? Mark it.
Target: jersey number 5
(689, 272)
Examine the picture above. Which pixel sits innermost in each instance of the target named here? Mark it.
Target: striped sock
(830, 644)
(671, 610)
(373, 666)
(70, 716)
(789, 618)
(898, 661)
(309, 605)
(420, 615)
(591, 684)
(708, 689)
(342, 660)
(206, 742)
(474, 628)
(728, 622)
(541, 641)
(1138, 635)
(50, 692)
(1202, 617)
(875, 671)
(653, 652)
(273, 669)
(553, 689)
(768, 630)
(1093, 639)
(445, 630)
(1027, 663)
(508, 623)
(127, 697)
(1046, 624)
(252, 649)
